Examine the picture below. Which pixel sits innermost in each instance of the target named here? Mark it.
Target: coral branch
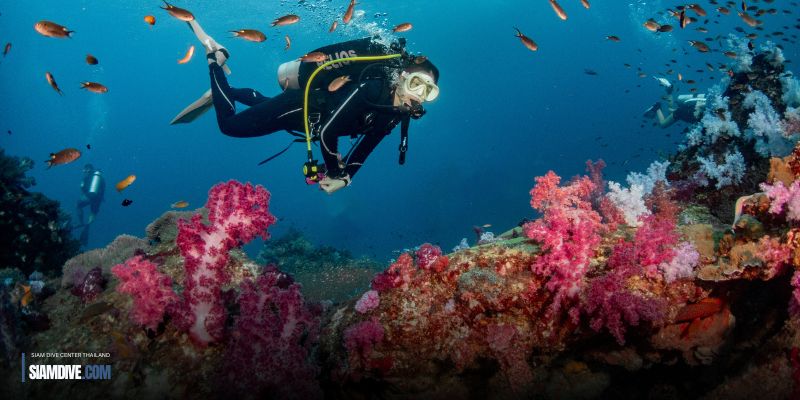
(237, 214)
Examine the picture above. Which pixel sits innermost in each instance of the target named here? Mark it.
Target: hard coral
(151, 290)
(91, 286)
(237, 214)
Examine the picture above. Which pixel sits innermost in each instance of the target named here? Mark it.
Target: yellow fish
(180, 204)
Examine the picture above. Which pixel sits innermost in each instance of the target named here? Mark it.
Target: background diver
(688, 108)
(379, 96)
(93, 187)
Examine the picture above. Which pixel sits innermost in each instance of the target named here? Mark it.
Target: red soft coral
(400, 273)
(151, 290)
(568, 233)
(237, 214)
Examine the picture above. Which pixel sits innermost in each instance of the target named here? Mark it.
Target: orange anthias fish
(337, 83)
(404, 27)
(559, 11)
(52, 29)
(180, 204)
(585, 4)
(65, 156)
(651, 25)
(177, 12)
(92, 60)
(697, 9)
(121, 185)
(316, 56)
(150, 19)
(286, 20)
(188, 56)
(749, 20)
(52, 82)
(94, 87)
(27, 297)
(333, 26)
(7, 49)
(250, 35)
(700, 46)
(348, 15)
(526, 41)
(288, 43)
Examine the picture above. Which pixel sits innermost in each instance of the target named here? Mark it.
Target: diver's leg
(281, 112)
(83, 202)
(221, 93)
(248, 97)
(94, 207)
(84, 239)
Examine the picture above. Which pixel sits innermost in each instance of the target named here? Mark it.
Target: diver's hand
(330, 185)
(416, 111)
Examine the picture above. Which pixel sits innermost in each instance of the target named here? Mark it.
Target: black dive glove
(416, 111)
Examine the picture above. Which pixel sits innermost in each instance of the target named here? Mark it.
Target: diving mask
(421, 86)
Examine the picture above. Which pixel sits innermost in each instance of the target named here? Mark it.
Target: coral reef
(34, 231)
(324, 272)
(683, 285)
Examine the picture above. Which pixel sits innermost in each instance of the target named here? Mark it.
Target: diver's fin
(194, 110)
(208, 42)
(201, 105)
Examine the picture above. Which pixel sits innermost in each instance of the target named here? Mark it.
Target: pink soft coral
(368, 302)
(270, 352)
(782, 197)
(151, 290)
(568, 233)
(237, 214)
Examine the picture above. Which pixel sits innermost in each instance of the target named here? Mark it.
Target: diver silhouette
(366, 103)
(93, 188)
(688, 108)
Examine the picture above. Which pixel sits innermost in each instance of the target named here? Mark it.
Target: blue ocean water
(504, 116)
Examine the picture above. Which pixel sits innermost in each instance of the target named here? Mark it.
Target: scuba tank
(294, 74)
(95, 183)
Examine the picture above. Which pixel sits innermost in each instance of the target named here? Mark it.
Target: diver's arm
(352, 105)
(361, 152)
(665, 121)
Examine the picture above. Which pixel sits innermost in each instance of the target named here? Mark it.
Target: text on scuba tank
(337, 56)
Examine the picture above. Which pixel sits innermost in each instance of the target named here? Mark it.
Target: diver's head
(88, 169)
(418, 82)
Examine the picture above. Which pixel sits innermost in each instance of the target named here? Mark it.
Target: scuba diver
(93, 188)
(687, 107)
(364, 96)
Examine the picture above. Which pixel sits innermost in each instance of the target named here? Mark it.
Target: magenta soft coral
(237, 214)
(609, 303)
(151, 290)
(270, 352)
(568, 233)
(360, 340)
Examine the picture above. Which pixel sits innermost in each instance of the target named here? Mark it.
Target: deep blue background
(505, 114)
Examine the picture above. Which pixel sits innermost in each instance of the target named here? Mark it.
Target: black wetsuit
(358, 109)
